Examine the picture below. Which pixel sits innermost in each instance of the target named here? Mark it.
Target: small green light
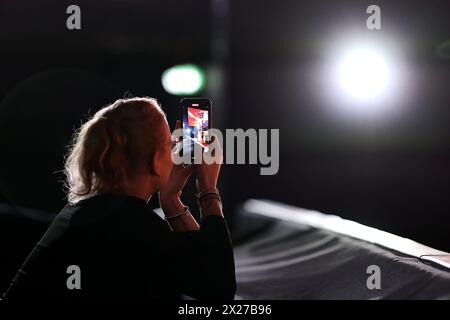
(184, 79)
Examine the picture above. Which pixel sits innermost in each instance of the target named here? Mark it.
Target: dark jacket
(124, 250)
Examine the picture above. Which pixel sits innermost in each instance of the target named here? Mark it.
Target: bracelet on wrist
(185, 211)
(209, 196)
(208, 192)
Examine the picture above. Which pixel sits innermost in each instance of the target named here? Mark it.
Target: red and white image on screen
(198, 123)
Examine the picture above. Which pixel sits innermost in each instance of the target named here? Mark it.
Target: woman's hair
(111, 146)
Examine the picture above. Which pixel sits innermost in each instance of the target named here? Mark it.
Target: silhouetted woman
(106, 243)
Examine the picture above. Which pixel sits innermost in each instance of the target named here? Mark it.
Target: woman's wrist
(171, 205)
(178, 215)
(210, 204)
(202, 186)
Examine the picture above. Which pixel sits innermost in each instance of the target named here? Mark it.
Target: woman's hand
(169, 197)
(170, 193)
(208, 174)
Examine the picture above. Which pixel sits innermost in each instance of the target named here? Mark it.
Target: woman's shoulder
(122, 209)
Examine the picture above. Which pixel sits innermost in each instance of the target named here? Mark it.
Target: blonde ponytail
(110, 147)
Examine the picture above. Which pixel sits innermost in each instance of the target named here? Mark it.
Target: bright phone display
(196, 117)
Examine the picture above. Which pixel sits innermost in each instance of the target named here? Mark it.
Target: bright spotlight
(363, 80)
(186, 79)
(363, 74)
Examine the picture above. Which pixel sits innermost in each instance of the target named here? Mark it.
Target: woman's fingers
(182, 171)
(215, 152)
(177, 138)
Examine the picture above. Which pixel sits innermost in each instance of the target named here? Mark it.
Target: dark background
(262, 60)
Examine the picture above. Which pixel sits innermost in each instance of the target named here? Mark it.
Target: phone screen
(196, 124)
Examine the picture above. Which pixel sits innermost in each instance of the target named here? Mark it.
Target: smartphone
(196, 118)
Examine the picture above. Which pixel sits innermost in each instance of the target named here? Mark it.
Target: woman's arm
(202, 257)
(202, 261)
